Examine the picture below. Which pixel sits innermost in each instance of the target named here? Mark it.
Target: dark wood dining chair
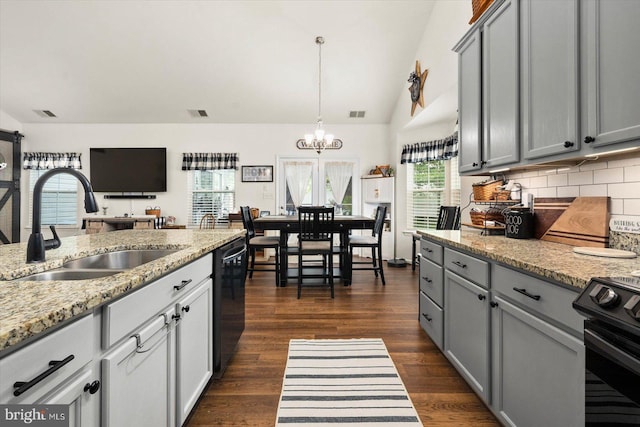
(316, 238)
(448, 219)
(374, 241)
(255, 243)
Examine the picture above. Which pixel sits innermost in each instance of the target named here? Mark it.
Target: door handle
(22, 386)
(527, 294)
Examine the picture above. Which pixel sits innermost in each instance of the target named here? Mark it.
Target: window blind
(210, 192)
(59, 198)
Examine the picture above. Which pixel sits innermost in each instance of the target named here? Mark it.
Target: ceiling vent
(45, 113)
(356, 114)
(198, 113)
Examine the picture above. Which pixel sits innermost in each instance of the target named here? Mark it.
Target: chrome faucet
(37, 244)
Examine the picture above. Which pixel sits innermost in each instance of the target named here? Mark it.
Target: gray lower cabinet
(466, 331)
(549, 76)
(431, 291)
(537, 370)
(610, 38)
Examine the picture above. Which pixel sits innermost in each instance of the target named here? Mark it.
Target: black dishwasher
(229, 270)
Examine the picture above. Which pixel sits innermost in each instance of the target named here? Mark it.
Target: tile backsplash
(617, 177)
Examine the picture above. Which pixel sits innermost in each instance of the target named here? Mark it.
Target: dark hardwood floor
(248, 393)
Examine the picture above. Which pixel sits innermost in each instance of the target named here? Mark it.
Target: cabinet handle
(482, 163)
(459, 264)
(93, 387)
(186, 308)
(474, 164)
(426, 316)
(527, 294)
(182, 285)
(176, 317)
(568, 144)
(482, 297)
(428, 250)
(588, 139)
(426, 279)
(22, 386)
(493, 304)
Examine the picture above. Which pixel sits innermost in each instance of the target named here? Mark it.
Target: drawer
(431, 319)
(128, 313)
(431, 280)
(431, 251)
(467, 266)
(545, 298)
(72, 342)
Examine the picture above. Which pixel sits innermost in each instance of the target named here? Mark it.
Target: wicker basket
(155, 212)
(478, 7)
(501, 195)
(484, 190)
(491, 214)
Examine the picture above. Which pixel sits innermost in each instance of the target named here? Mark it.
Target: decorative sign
(257, 173)
(625, 224)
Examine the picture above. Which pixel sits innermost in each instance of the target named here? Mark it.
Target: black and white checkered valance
(41, 161)
(209, 161)
(441, 149)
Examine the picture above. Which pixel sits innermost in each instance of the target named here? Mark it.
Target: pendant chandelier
(319, 140)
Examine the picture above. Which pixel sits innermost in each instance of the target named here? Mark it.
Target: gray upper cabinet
(500, 87)
(488, 93)
(549, 70)
(611, 97)
(469, 102)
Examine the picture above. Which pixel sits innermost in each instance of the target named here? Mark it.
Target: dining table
(288, 224)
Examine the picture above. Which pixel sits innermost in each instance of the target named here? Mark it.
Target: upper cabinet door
(500, 90)
(470, 103)
(549, 67)
(611, 36)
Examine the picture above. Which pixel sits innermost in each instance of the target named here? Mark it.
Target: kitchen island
(29, 308)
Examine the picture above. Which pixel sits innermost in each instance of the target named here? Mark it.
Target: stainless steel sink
(119, 260)
(67, 274)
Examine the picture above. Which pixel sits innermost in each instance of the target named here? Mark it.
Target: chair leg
(373, 260)
(299, 272)
(413, 256)
(253, 262)
(381, 263)
(331, 274)
(277, 248)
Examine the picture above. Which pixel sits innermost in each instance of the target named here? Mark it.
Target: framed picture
(257, 173)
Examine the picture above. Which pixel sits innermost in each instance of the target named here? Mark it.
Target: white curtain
(339, 174)
(298, 176)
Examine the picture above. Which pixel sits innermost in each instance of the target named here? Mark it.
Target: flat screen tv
(128, 170)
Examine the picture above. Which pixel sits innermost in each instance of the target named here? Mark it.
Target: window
(430, 185)
(318, 182)
(59, 199)
(211, 192)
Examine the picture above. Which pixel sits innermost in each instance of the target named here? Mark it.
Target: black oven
(612, 351)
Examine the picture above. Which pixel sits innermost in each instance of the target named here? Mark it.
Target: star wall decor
(417, 79)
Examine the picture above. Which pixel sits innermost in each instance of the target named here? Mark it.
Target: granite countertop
(547, 259)
(28, 308)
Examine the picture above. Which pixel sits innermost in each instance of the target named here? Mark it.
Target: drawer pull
(182, 285)
(527, 294)
(482, 297)
(493, 304)
(186, 308)
(93, 387)
(426, 279)
(426, 316)
(428, 250)
(459, 264)
(22, 386)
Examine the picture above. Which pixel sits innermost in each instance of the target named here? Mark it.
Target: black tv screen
(128, 170)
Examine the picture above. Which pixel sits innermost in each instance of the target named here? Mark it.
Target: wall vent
(198, 113)
(45, 113)
(356, 114)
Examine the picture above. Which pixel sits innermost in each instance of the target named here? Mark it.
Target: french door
(318, 181)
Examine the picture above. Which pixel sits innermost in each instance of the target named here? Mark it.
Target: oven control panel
(612, 299)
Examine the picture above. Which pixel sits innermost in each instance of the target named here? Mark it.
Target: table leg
(345, 260)
(284, 258)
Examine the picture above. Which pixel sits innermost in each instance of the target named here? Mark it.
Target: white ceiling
(242, 61)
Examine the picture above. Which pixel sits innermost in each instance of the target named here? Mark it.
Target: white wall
(255, 144)
(9, 123)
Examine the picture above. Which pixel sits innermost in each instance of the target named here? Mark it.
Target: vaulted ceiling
(241, 61)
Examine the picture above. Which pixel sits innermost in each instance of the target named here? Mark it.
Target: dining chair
(208, 222)
(255, 243)
(448, 219)
(374, 241)
(316, 238)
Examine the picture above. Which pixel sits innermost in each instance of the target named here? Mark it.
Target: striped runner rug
(349, 382)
